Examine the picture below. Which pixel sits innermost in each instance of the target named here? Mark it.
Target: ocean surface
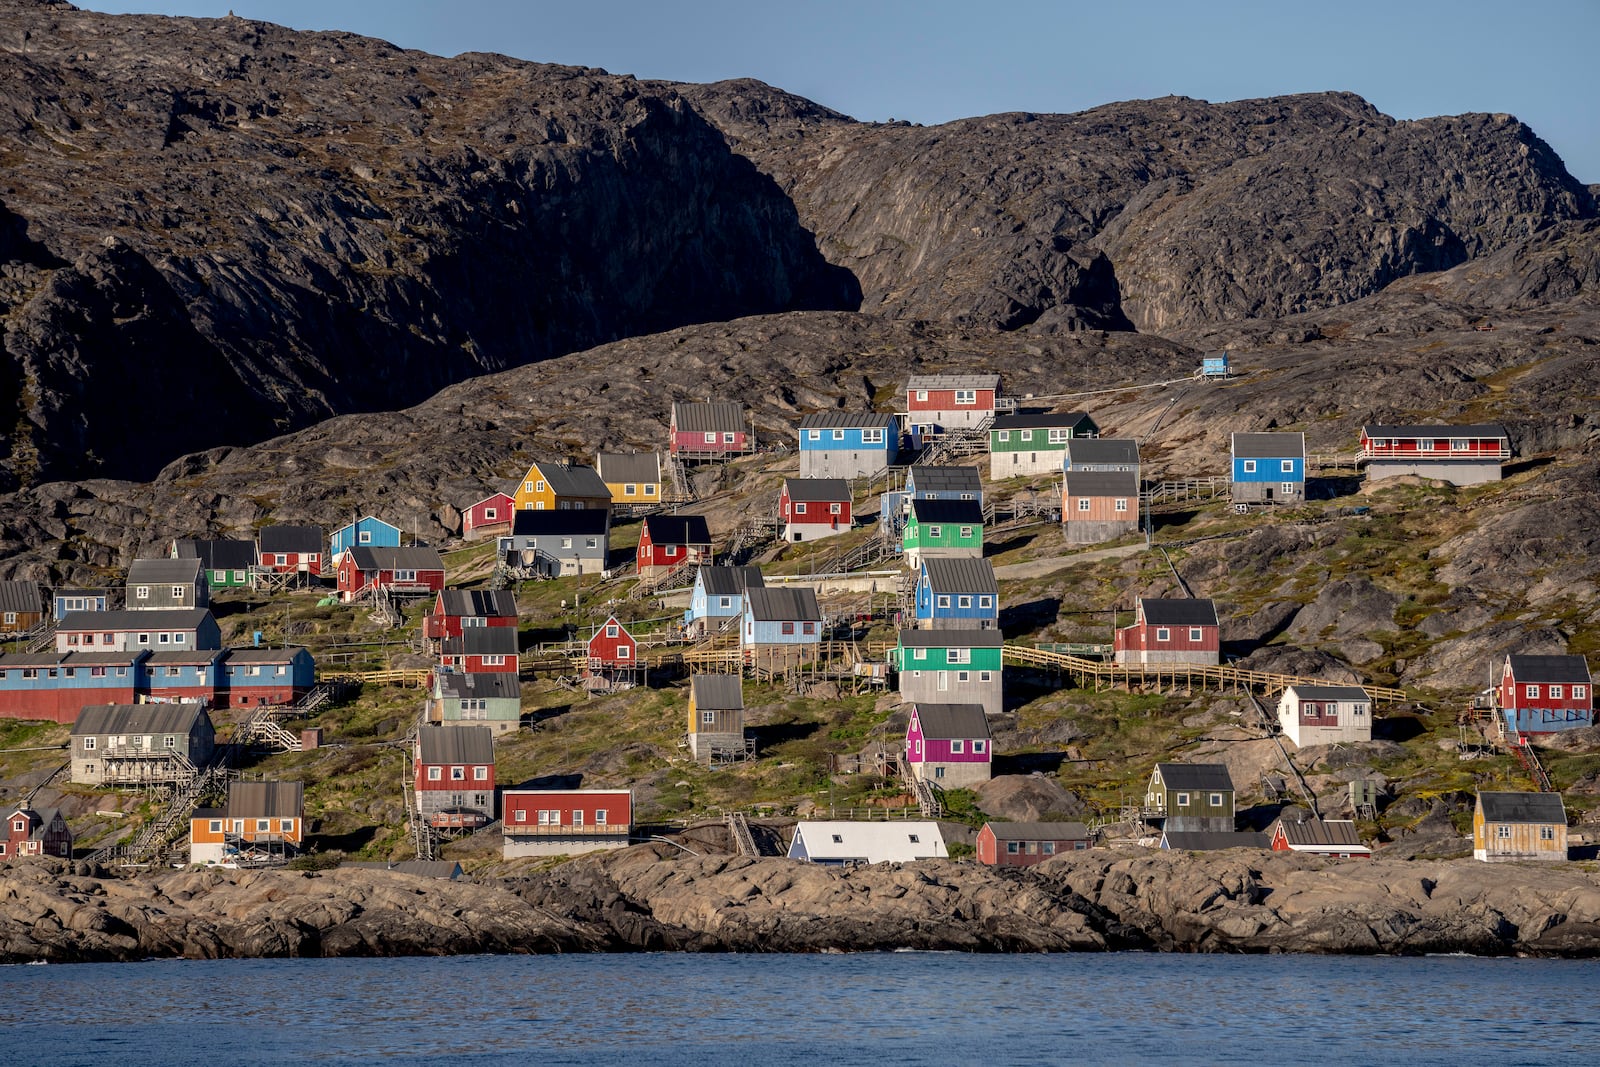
(880, 1009)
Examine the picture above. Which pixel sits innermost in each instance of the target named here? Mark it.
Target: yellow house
(561, 486)
(633, 478)
(1519, 826)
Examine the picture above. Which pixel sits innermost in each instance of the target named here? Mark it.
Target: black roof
(483, 641)
(564, 522)
(1563, 670)
(1484, 429)
(957, 479)
(943, 722)
(1198, 776)
(486, 684)
(820, 490)
(369, 558)
(1193, 611)
(678, 529)
(224, 555)
(1102, 483)
(1211, 840)
(475, 603)
(1056, 420)
(1099, 450)
(1523, 807)
(951, 639)
(961, 512)
(731, 581)
(301, 539)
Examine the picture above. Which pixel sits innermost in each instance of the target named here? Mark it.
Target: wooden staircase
(739, 833)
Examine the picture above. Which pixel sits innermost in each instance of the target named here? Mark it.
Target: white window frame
(1163, 633)
(956, 747)
(1195, 633)
(872, 437)
(1249, 466)
(1287, 466)
(1180, 800)
(838, 435)
(1121, 504)
(1003, 435)
(966, 397)
(835, 509)
(1216, 800)
(435, 774)
(1083, 503)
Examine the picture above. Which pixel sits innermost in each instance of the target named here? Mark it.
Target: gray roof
(266, 655)
(1269, 445)
(1523, 807)
(1563, 670)
(825, 490)
(455, 744)
(185, 658)
(1192, 611)
(953, 381)
(1042, 420)
(1038, 831)
(717, 692)
(225, 555)
(406, 558)
(1211, 840)
(20, 596)
(562, 522)
(677, 529)
(302, 539)
(573, 479)
(137, 719)
(483, 641)
(1482, 429)
(1199, 776)
(41, 659)
(623, 467)
(943, 722)
(951, 639)
(1320, 832)
(164, 572)
(489, 685)
(930, 479)
(266, 800)
(104, 659)
(1101, 483)
(1329, 692)
(731, 581)
(783, 605)
(154, 619)
(479, 603)
(963, 575)
(1102, 450)
(419, 868)
(842, 420)
(962, 512)
(716, 416)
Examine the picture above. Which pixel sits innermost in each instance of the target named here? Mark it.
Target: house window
(838, 435)
(105, 639)
(813, 435)
(966, 396)
(944, 601)
(1216, 800)
(1083, 503)
(522, 815)
(630, 489)
(1194, 633)
(1003, 435)
(286, 825)
(405, 576)
(215, 826)
(983, 676)
(1503, 832)
(494, 661)
(1060, 435)
(11, 617)
(986, 601)
(649, 490)
(1013, 847)
(1181, 800)
(835, 509)
(1580, 692)
(935, 531)
(1249, 466)
(72, 639)
(711, 438)
(435, 773)
(725, 602)
(1546, 833)
(611, 629)
(727, 438)
(1163, 634)
(787, 627)
(958, 655)
(1121, 504)
(527, 487)
(938, 772)
(624, 652)
(172, 672)
(180, 639)
(263, 825)
(538, 487)
(1531, 692)
(922, 395)
(800, 508)
(838, 840)
(808, 627)
(592, 542)
(163, 639)
(966, 533)
(1287, 466)
(97, 672)
(458, 774)
(1047, 847)
(979, 746)
(601, 816)
(919, 653)
(872, 437)
(480, 774)
(88, 744)
(488, 513)
(577, 817)
(956, 746)
(708, 717)
(1287, 488)
(964, 602)
(1555, 692)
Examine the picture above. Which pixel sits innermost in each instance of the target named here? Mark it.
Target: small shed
(1519, 826)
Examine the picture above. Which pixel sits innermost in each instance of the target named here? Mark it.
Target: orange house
(262, 823)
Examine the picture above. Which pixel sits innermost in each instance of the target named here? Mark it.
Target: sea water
(876, 1008)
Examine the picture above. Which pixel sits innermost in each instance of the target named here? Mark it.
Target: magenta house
(949, 744)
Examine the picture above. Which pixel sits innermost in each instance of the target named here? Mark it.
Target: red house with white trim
(1171, 631)
(36, 833)
(489, 516)
(936, 403)
(453, 774)
(482, 650)
(667, 542)
(1546, 694)
(612, 646)
(458, 610)
(408, 571)
(557, 822)
(1461, 455)
(290, 550)
(812, 508)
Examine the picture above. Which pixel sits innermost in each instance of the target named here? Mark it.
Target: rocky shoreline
(640, 899)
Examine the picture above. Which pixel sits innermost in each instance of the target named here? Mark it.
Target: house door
(944, 681)
(1268, 491)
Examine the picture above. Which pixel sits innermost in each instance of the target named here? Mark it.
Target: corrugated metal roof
(368, 558)
(21, 596)
(1102, 450)
(164, 572)
(1194, 611)
(105, 659)
(562, 522)
(1198, 776)
(843, 420)
(714, 416)
(1319, 832)
(1562, 670)
(266, 655)
(222, 555)
(957, 512)
(951, 639)
(1483, 429)
(483, 641)
(1269, 445)
(1523, 807)
(479, 603)
(959, 479)
(1038, 831)
(1101, 483)
(717, 692)
(137, 719)
(489, 685)
(870, 842)
(953, 381)
(38, 659)
(302, 539)
(961, 575)
(731, 581)
(783, 605)
(1212, 840)
(817, 490)
(678, 529)
(566, 478)
(620, 468)
(122, 619)
(266, 800)
(193, 657)
(455, 744)
(1329, 692)
(449, 869)
(1044, 421)
(945, 722)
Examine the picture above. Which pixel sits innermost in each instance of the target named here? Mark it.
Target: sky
(939, 60)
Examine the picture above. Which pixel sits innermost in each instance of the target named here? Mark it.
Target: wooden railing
(410, 678)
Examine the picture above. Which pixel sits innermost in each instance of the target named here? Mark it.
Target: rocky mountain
(216, 230)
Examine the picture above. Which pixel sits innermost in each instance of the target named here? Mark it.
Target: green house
(943, 529)
(226, 563)
(1034, 444)
(950, 667)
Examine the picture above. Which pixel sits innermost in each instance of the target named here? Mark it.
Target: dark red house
(36, 833)
(1546, 694)
(410, 571)
(457, 610)
(453, 773)
(491, 515)
(482, 650)
(812, 508)
(1171, 631)
(709, 430)
(670, 541)
(612, 646)
(1022, 844)
(290, 550)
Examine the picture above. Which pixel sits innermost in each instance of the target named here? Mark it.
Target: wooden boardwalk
(1185, 675)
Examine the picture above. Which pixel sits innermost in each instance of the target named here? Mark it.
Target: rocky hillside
(204, 217)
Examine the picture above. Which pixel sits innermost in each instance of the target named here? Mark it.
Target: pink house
(949, 744)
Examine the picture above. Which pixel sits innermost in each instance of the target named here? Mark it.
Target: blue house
(836, 445)
(929, 483)
(67, 601)
(957, 594)
(780, 625)
(178, 676)
(365, 532)
(55, 686)
(1269, 468)
(718, 598)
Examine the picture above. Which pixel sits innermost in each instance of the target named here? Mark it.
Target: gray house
(135, 744)
(160, 584)
(557, 543)
(169, 630)
(716, 716)
(492, 699)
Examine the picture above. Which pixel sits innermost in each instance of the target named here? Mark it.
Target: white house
(836, 843)
(1325, 714)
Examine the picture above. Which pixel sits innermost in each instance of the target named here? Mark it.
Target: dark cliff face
(291, 225)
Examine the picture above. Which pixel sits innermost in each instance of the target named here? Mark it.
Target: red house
(491, 515)
(1461, 455)
(555, 822)
(1171, 631)
(709, 431)
(1022, 844)
(936, 403)
(1319, 837)
(612, 646)
(36, 833)
(668, 542)
(1546, 694)
(453, 774)
(811, 508)
(482, 650)
(290, 550)
(412, 571)
(458, 610)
